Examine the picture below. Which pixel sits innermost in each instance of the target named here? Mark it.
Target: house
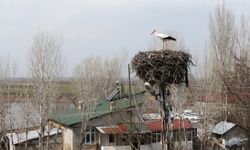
(147, 134)
(109, 112)
(122, 135)
(230, 134)
(115, 123)
(182, 134)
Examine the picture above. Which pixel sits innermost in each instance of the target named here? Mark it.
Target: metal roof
(109, 129)
(114, 93)
(151, 126)
(177, 124)
(33, 134)
(73, 115)
(124, 128)
(222, 127)
(134, 127)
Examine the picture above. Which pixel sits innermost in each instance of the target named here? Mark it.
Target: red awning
(177, 123)
(110, 129)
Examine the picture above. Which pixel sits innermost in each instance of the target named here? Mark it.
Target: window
(180, 136)
(90, 136)
(156, 137)
(122, 140)
(111, 138)
(189, 135)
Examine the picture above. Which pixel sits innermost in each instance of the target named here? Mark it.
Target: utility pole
(156, 69)
(130, 91)
(226, 107)
(130, 97)
(165, 116)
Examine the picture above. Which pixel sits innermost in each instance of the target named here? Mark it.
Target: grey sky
(104, 27)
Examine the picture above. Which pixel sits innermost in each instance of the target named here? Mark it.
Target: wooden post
(165, 116)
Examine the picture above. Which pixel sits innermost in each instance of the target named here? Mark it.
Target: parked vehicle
(193, 117)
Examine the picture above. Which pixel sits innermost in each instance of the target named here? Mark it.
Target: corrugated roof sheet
(110, 129)
(154, 125)
(33, 134)
(222, 127)
(157, 125)
(133, 127)
(177, 123)
(143, 126)
(73, 115)
(114, 93)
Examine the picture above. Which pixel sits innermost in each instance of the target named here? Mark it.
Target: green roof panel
(73, 115)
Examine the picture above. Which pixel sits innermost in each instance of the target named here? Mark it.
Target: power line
(218, 85)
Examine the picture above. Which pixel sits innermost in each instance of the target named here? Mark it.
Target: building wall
(34, 147)
(104, 140)
(183, 145)
(90, 147)
(68, 139)
(156, 146)
(76, 137)
(143, 147)
(235, 132)
(118, 117)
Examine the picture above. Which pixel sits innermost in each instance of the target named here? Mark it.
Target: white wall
(68, 139)
(143, 147)
(184, 145)
(76, 137)
(156, 146)
(115, 148)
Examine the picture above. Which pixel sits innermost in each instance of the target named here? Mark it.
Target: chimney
(111, 105)
(79, 105)
(119, 87)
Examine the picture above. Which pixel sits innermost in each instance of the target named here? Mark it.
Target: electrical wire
(136, 106)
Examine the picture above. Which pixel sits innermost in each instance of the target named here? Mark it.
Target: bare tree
(7, 72)
(94, 79)
(238, 81)
(229, 45)
(222, 39)
(46, 66)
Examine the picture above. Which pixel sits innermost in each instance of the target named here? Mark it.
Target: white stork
(164, 37)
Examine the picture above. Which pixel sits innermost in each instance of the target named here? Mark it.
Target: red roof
(122, 127)
(157, 125)
(181, 124)
(110, 129)
(154, 125)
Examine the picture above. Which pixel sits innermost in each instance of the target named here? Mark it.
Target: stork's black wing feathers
(169, 38)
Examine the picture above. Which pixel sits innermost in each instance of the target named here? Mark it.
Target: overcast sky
(104, 27)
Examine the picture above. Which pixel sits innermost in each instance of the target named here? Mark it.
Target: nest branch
(164, 67)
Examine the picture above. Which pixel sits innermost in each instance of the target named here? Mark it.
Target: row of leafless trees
(93, 79)
(230, 64)
(226, 74)
(224, 78)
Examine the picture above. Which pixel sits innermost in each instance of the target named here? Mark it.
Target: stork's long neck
(156, 32)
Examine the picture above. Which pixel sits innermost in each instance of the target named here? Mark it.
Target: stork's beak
(153, 31)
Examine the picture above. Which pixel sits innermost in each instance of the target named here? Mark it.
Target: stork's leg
(163, 43)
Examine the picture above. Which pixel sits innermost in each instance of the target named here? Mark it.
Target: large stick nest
(164, 67)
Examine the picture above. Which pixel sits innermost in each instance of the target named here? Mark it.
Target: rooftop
(73, 115)
(16, 138)
(177, 123)
(222, 127)
(151, 126)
